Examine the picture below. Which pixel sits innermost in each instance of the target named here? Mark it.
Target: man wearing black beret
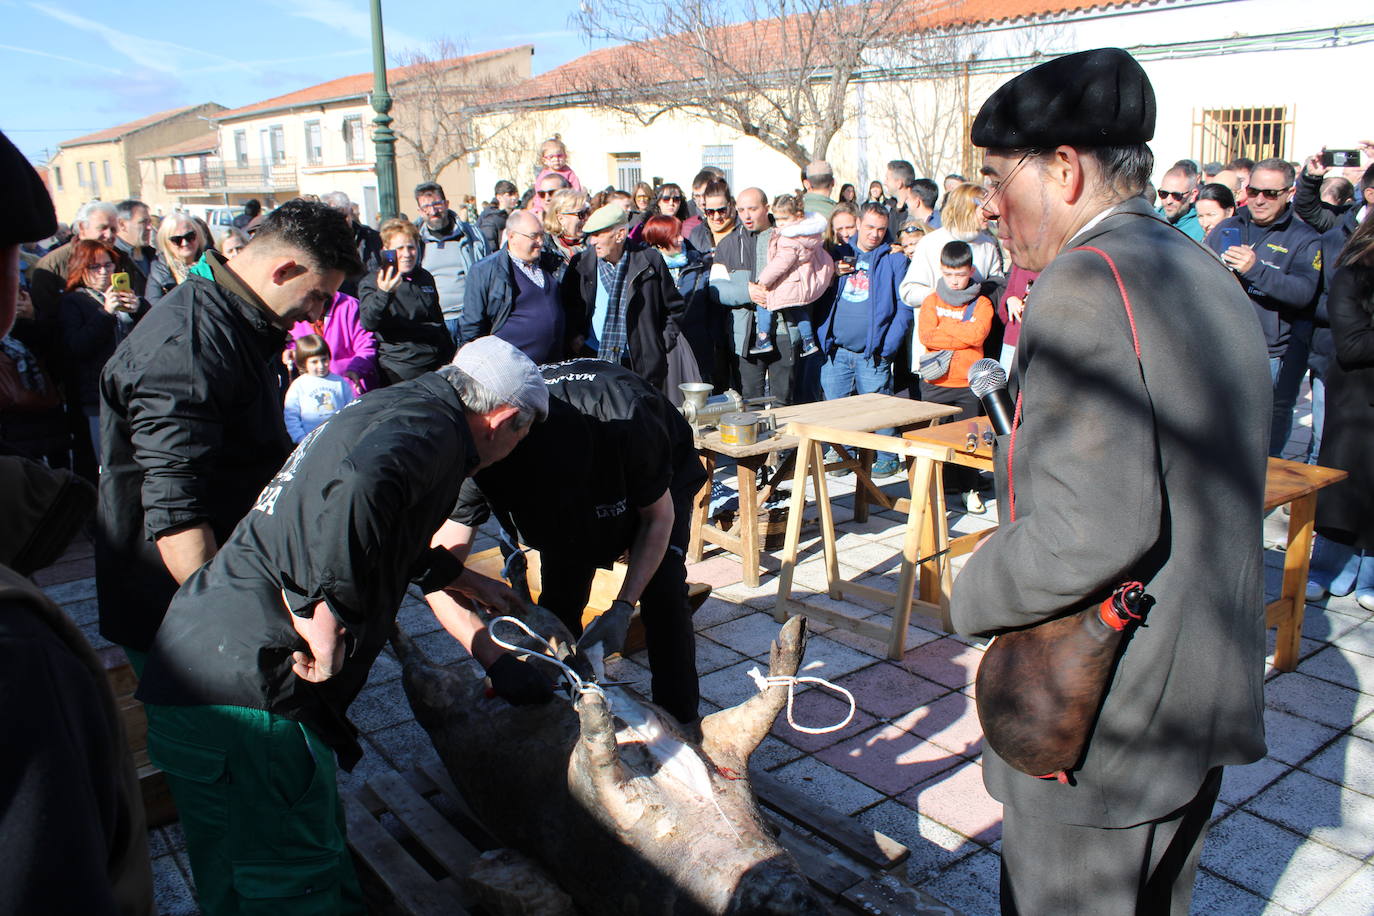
(1139, 455)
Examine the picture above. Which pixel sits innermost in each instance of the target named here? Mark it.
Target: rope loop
(763, 682)
(575, 683)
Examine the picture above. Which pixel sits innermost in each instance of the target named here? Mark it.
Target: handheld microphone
(988, 380)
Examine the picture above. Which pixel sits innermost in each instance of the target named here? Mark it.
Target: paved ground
(1293, 833)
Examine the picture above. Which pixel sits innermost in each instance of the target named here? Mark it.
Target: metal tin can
(739, 428)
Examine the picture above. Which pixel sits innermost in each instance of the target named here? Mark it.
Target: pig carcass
(629, 814)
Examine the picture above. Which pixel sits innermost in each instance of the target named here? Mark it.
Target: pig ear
(730, 736)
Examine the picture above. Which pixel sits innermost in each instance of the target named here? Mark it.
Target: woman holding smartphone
(400, 306)
(96, 312)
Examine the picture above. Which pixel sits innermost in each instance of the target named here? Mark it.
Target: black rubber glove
(519, 683)
(609, 628)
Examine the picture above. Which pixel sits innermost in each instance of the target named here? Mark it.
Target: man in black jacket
(263, 649)
(368, 242)
(191, 419)
(492, 221)
(612, 471)
(621, 303)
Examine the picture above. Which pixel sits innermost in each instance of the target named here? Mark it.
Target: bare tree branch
(436, 97)
(782, 75)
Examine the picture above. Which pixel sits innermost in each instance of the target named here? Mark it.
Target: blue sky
(72, 67)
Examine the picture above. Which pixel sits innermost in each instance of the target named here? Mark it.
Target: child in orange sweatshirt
(955, 319)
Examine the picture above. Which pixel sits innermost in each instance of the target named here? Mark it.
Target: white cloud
(351, 18)
(66, 60)
(148, 53)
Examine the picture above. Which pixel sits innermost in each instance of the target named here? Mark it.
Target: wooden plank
(858, 625)
(411, 886)
(1285, 481)
(434, 834)
(886, 895)
(865, 844)
(829, 876)
(468, 822)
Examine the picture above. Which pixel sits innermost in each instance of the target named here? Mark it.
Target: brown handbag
(1039, 689)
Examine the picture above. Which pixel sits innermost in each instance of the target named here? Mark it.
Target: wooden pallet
(413, 857)
(157, 797)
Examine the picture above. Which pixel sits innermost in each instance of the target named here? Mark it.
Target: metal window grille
(723, 158)
(628, 168)
(1223, 134)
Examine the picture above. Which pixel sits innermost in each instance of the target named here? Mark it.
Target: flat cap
(610, 216)
(1093, 98)
(506, 372)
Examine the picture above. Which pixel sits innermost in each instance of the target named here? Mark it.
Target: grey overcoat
(1159, 480)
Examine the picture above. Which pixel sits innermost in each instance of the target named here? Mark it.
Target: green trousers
(260, 808)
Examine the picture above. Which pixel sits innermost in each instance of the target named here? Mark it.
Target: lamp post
(382, 136)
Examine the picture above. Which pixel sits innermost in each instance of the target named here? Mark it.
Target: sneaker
(1333, 568)
(973, 503)
(886, 468)
(1351, 576)
(1364, 584)
(761, 345)
(809, 348)
(832, 456)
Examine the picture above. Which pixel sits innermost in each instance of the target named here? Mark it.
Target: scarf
(956, 297)
(614, 337)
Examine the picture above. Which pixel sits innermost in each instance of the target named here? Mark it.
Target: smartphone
(1341, 158)
(850, 261)
(388, 258)
(120, 282)
(1228, 237)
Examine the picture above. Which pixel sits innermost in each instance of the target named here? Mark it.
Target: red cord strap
(1016, 418)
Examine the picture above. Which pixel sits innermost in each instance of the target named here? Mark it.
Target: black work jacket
(407, 322)
(612, 445)
(347, 520)
(190, 429)
(653, 307)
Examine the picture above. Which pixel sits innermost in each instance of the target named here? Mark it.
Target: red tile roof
(576, 75)
(205, 143)
(346, 87)
(123, 130)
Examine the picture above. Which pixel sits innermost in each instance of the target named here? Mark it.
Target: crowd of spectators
(789, 293)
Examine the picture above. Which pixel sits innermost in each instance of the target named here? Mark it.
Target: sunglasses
(1267, 193)
(580, 214)
(186, 239)
(1176, 195)
(715, 211)
(548, 193)
(672, 199)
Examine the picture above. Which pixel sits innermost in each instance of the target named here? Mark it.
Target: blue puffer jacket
(890, 320)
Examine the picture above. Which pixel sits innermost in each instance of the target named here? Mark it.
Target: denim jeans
(846, 372)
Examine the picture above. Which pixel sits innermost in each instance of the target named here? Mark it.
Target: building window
(353, 138)
(241, 148)
(627, 170)
(721, 157)
(108, 180)
(81, 174)
(277, 143)
(314, 150)
(57, 176)
(95, 182)
(1223, 134)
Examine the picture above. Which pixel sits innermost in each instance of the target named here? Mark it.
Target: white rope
(578, 685)
(763, 682)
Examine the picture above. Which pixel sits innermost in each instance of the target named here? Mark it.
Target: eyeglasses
(104, 267)
(1176, 195)
(532, 236)
(715, 211)
(996, 187)
(434, 205)
(1267, 193)
(186, 239)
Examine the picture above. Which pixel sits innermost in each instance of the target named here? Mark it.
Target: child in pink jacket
(553, 160)
(799, 270)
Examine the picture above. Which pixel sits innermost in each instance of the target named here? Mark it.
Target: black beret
(1093, 98)
(24, 200)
